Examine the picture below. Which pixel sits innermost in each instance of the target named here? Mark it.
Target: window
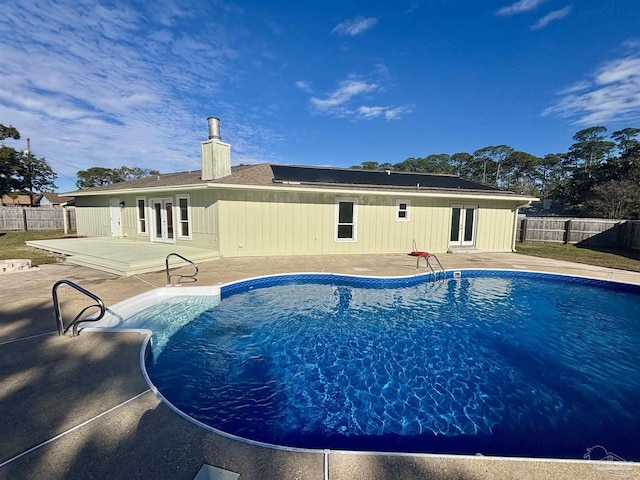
(402, 210)
(346, 216)
(141, 205)
(184, 217)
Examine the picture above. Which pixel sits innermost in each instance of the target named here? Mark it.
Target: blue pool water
(491, 363)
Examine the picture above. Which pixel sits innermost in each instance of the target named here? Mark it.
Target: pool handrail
(427, 258)
(77, 320)
(180, 277)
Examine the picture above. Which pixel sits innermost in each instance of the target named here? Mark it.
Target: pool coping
(145, 349)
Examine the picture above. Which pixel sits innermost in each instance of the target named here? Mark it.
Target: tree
(9, 164)
(615, 199)
(22, 171)
(591, 148)
(460, 162)
(491, 159)
(36, 175)
(9, 132)
(97, 176)
(519, 172)
(551, 172)
(628, 145)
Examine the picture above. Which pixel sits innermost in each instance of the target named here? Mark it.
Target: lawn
(12, 245)
(600, 256)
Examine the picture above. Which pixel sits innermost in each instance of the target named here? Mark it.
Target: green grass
(599, 256)
(12, 245)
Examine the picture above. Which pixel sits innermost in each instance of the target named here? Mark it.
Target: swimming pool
(493, 362)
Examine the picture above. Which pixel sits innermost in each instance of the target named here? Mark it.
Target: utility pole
(26, 155)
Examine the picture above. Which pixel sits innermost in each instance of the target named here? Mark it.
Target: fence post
(567, 231)
(65, 220)
(523, 232)
(24, 219)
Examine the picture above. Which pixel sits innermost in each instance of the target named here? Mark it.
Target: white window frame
(180, 221)
(145, 218)
(354, 221)
(461, 242)
(406, 210)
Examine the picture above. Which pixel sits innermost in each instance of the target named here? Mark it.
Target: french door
(162, 209)
(463, 225)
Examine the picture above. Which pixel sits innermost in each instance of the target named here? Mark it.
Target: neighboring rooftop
(55, 199)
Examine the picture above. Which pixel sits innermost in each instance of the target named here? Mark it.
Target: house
(268, 209)
(21, 200)
(53, 200)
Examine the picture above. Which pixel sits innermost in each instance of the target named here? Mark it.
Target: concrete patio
(80, 407)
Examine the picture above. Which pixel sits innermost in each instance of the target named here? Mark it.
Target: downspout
(515, 224)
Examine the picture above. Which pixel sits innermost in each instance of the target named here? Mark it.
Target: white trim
(145, 211)
(432, 193)
(462, 225)
(178, 222)
(164, 227)
(354, 222)
(406, 210)
(115, 217)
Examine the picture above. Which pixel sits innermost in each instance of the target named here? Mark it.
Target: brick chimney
(216, 155)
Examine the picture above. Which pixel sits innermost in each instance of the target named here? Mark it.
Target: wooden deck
(123, 257)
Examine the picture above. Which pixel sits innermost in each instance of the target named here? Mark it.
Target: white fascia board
(386, 192)
(139, 191)
(337, 191)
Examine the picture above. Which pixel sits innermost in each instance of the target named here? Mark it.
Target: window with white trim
(141, 213)
(184, 216)
(402, 210)
(346, 219)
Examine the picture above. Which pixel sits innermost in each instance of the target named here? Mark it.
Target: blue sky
(312, 82)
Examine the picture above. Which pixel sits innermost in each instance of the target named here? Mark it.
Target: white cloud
(521, 6)
(389, 113)
(304, 86)
(611, 95)
(550, 17)
(343, 102)
(118, 85)
(354, 26)
(345, 92)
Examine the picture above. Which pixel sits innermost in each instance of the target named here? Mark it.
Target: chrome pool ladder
(192, 278)
(440, 274)
(77, 320)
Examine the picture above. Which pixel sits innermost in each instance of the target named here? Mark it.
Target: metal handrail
(428, 264)
(444, 275)
(76, 321)
(430, 267)
(180, 277)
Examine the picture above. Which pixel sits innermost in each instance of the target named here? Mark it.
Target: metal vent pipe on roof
(214, 128)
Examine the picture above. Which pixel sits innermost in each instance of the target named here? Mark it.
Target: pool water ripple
(504, 366)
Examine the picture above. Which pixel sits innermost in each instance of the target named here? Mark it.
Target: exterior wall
(92, 217)
(496, 226)
(249, 222)
(279, 223)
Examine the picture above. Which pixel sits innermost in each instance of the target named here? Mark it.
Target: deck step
(122, 257)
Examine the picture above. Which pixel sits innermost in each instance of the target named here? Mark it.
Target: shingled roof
(265, 174)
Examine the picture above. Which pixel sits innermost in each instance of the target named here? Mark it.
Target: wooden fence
(595, 232)
(36, 218)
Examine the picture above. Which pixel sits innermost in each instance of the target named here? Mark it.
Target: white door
(162, 209)
(463, 225)
(114, 211)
